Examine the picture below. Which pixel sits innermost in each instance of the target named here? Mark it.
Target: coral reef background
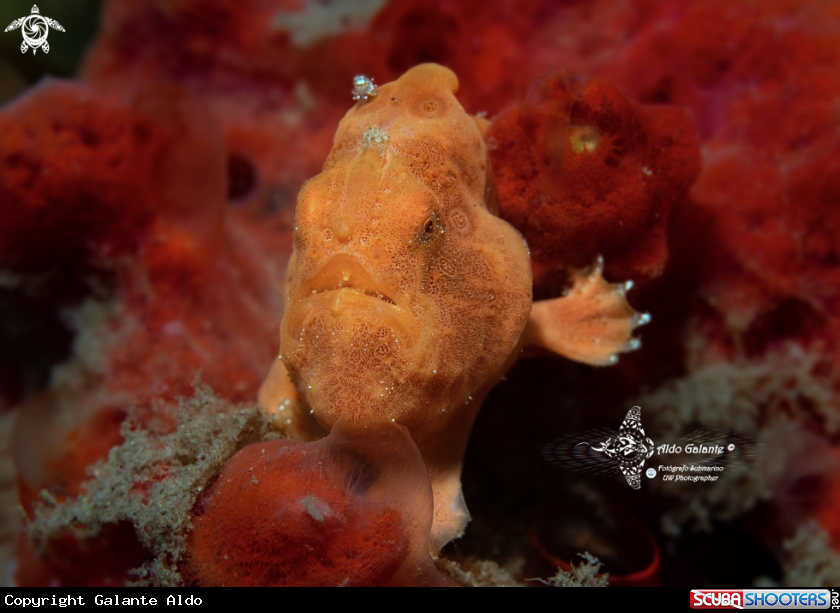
(145, 221)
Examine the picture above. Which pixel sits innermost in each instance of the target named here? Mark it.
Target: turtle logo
(35, 28)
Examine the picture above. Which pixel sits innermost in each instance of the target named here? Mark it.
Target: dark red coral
(582, 172)
(104, 561)
(135, 195)
(73, 179)
(767, 256)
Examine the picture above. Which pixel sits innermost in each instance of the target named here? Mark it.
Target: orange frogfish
(407, 298)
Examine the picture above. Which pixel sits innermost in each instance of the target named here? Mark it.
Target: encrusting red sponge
(581, 171)
(352, 509)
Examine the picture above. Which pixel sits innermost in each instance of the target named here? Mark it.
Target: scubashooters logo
(790, 599)
(698, 457)
(35, 28)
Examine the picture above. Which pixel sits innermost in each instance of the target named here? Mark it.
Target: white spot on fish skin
(374, 138)
(599, 264)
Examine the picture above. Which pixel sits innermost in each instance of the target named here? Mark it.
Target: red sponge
(353, 509)
(582, 172)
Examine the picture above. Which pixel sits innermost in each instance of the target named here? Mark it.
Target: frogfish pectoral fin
(592, 323)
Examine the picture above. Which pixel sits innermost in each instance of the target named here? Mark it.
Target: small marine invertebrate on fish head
(363, 88)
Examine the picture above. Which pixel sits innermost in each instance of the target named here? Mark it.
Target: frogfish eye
(429, 226)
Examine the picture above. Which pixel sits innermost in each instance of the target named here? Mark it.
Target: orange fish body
(407, 299)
